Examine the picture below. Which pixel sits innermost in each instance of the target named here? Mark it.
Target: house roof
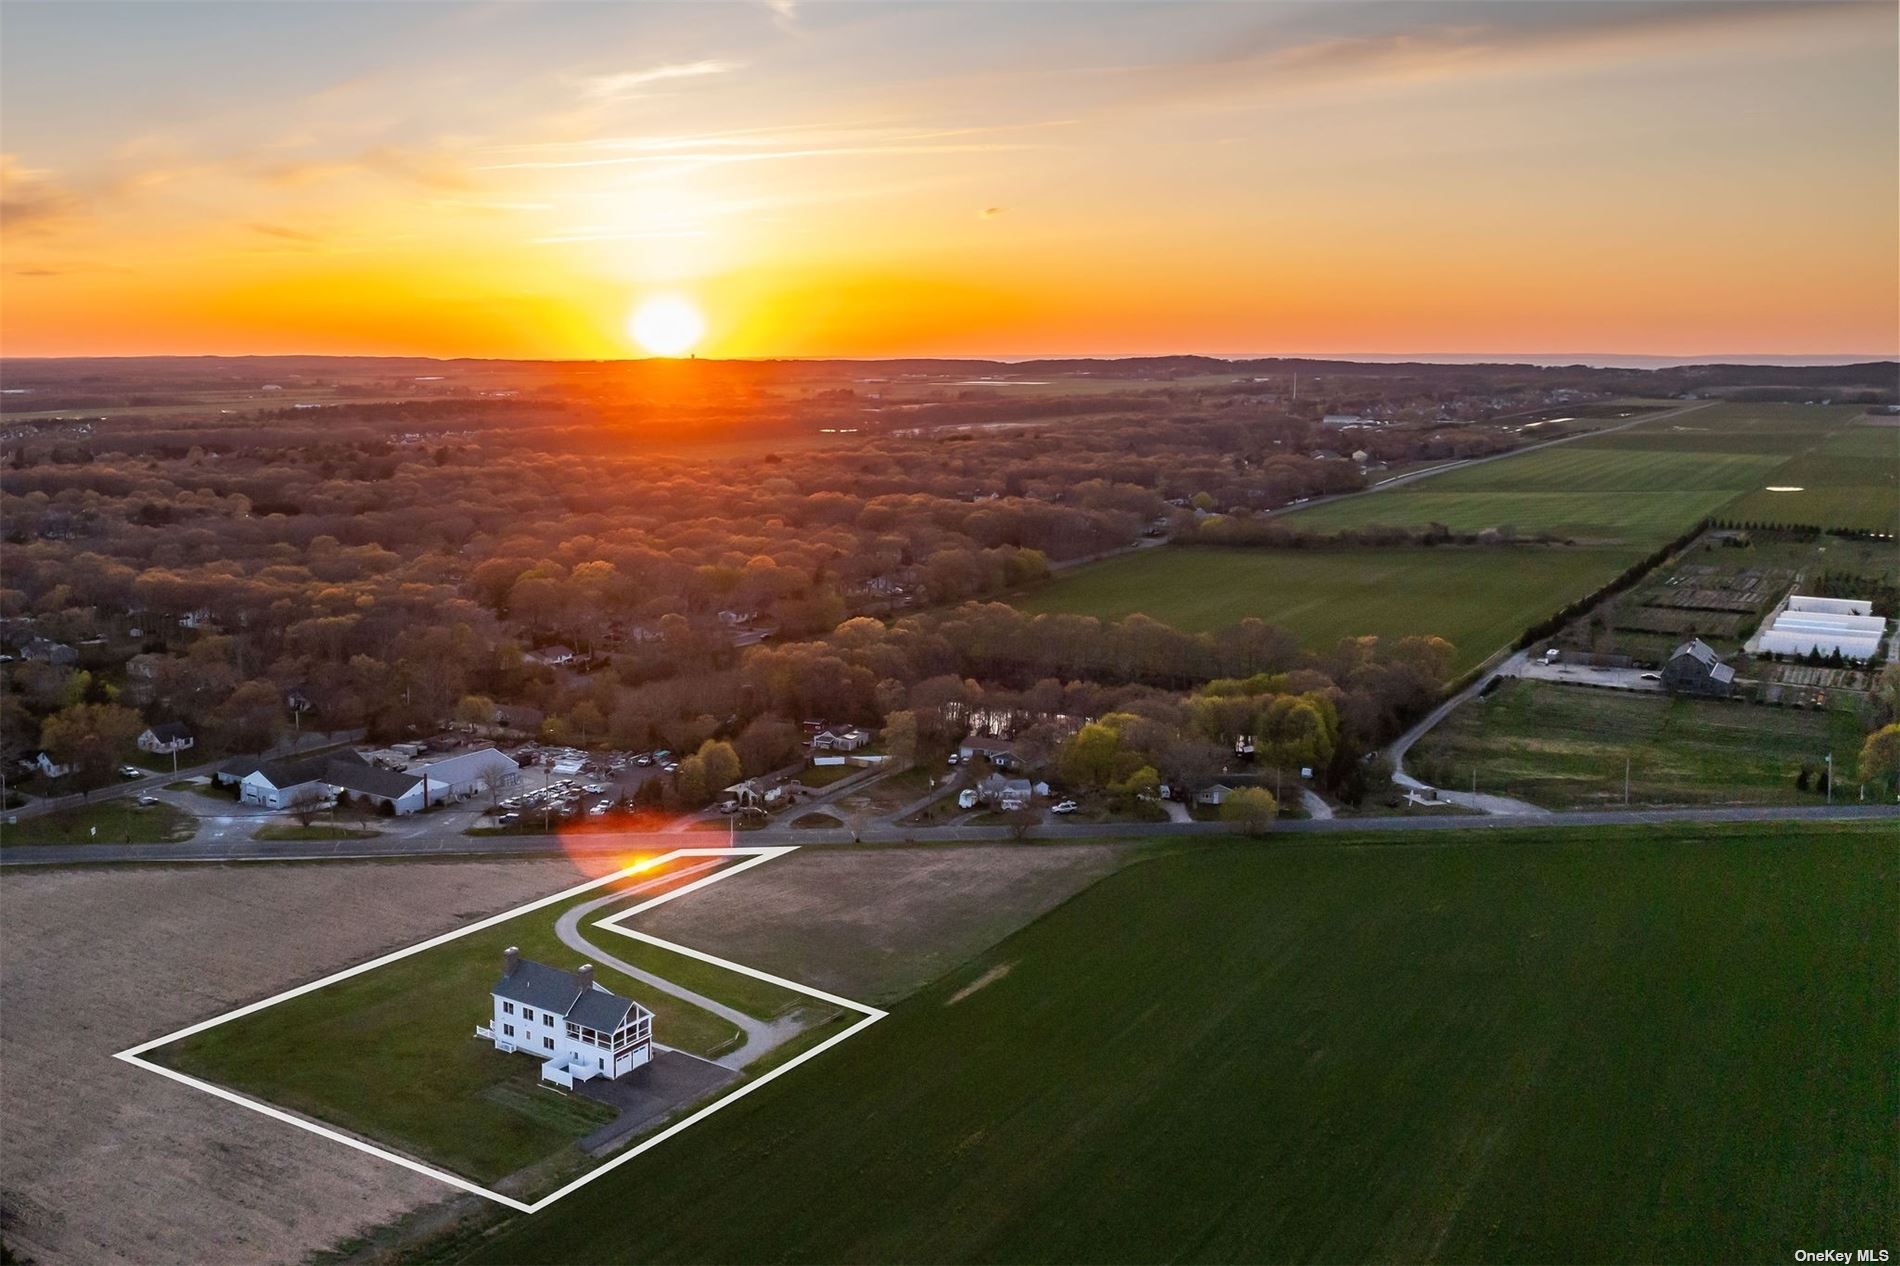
(169, 731)
(1698, 650)
(556, 989)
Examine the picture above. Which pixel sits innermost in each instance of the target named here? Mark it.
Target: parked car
(728, 806)
(131, 771)
(147, 801)
(954, 759)
(966, 799)
(1652, 676)
(1066, 806)
(643, 760)
(508, 819)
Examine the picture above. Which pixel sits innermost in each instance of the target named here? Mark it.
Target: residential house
(577, 1028)
(998, 752)
(166, 738)
(515, 716)
(43, 764)
(1695, 669)
(849, 739)
(1006, 794)
(48, 651)
(552, 656)
(1213, 796)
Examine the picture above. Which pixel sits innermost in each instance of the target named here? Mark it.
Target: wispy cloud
(284, 232)
(618, 86)
(1543, 39)
(434, 171)
(32, 200)
(765, 145)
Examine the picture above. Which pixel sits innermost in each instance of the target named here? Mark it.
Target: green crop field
(1607, 1045)
(1851, 481)
(391, 1054)
(1649, 483)
(1564, 747)
(1478, 599)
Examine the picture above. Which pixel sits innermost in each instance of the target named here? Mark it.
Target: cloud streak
(618, 87)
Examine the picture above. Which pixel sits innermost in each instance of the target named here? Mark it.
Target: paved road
(154, 782)
(760, 1035)
(1502, 806)
(1399, 481)
(621, 844)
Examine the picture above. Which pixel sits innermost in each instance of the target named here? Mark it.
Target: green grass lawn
(754, 997)
(1564, 747)
(391, 1054)
(1636, 1044)
(1478, 599)
(120, 820)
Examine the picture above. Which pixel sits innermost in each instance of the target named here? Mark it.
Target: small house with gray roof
(578, 1029)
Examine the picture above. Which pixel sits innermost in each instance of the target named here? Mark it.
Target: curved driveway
(760, 1035)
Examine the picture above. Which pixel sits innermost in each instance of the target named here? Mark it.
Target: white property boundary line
(756, 856)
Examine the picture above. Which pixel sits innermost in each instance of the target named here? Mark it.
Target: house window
(600, 1061)
(547, 1017)
(507, 1008)
(507, 1030)
(548, 1042)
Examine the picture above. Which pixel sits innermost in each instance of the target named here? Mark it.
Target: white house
(166, 737)
(849, 739)
(575, 1027)
(552, 656)
(46, 765)
(1007, 794)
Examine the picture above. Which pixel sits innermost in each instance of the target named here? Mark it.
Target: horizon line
(1602, 360)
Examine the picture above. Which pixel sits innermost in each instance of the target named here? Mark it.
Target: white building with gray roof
(578, 1029)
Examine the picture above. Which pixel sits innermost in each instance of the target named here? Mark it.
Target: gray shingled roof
(1700, 651)
(170, 731)
(553, 989)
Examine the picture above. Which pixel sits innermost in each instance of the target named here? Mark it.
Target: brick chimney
(510, 960)
(586, 974)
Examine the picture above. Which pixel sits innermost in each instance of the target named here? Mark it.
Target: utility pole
(1830, 777)
(1626, 780)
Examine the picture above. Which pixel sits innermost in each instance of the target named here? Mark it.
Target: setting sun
(667, 325)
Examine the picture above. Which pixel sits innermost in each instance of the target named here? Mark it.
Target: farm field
(1647, 484)
(105, 1162)
(1563, 747)
(1594, 1045)
(391, 1055)
(1853, 481)
(1477, 598)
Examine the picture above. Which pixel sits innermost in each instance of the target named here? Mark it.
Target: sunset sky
(957, 179)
